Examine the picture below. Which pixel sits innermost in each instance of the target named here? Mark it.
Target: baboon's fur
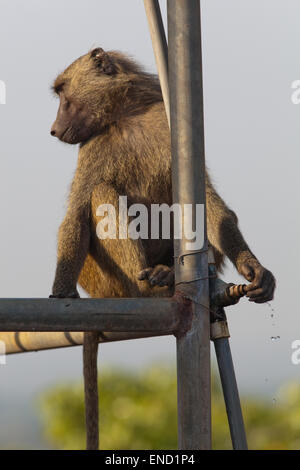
(126, 151)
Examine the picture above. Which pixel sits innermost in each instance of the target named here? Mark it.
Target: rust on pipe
(237, 291)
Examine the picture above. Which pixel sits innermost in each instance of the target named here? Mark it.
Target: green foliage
(139, 411)
(270, 424)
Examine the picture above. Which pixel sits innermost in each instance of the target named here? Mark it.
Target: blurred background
(251, 57)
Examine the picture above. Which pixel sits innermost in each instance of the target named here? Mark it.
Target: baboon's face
(85, 90)
(73, 122)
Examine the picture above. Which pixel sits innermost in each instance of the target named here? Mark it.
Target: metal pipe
(121, 315)
(231, 394)
(160, 48)
(188, 182)
(20, 342)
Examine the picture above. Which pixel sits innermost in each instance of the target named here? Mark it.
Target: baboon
(114, 110)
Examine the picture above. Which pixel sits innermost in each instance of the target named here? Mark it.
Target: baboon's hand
(65, 295)
(262, 281)
(160, 276)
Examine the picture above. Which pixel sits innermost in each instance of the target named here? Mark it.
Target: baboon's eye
(58, 88)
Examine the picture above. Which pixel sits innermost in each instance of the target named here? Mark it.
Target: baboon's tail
(90, 352)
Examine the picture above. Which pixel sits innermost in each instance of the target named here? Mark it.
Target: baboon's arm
(222, 229)
(73, 245)
(225, 236)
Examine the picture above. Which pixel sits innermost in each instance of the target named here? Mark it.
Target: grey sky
(251, 57)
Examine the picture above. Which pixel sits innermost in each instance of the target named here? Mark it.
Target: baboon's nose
(53, 130)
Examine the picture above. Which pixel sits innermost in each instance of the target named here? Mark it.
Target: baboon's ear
(103, 61)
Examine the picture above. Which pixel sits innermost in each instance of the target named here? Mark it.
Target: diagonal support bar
(160, 48)
(231, 394)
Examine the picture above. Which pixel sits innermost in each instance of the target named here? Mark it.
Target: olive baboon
(114, 110)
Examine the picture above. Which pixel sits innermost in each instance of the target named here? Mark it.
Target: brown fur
(118, 108)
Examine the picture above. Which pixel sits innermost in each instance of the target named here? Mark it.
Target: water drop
(275, 338)
(270, 306)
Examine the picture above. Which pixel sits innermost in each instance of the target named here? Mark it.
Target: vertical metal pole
(160, 48)
(188, 181)
(231, 394)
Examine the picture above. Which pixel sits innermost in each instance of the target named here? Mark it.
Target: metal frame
(34, 324)
(188, 180)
